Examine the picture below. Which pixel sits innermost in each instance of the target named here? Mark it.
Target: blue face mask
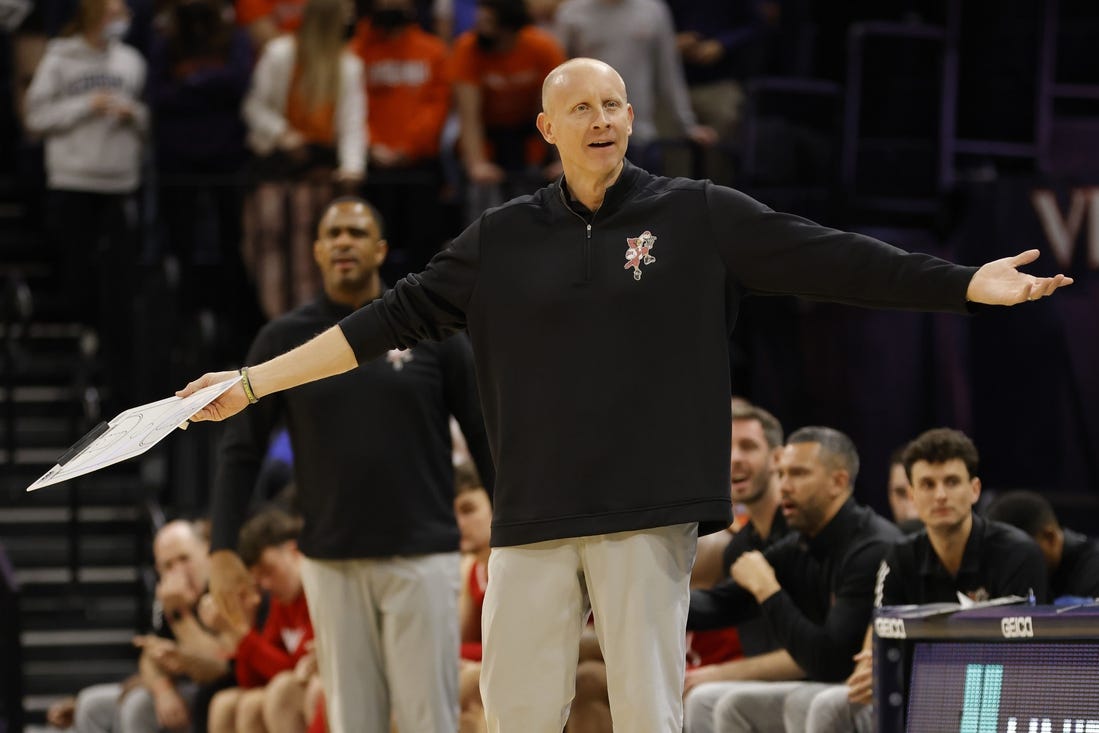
(116, 30)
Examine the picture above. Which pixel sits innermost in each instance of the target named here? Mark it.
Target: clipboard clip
(84, 442)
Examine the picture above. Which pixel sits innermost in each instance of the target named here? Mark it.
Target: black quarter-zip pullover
(372, 448)
(602, 354)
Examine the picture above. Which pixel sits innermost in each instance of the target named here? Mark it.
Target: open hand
(1000, 283)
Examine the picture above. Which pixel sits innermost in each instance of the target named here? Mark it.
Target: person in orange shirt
(497, 71)
(265, 19)
(408, 99)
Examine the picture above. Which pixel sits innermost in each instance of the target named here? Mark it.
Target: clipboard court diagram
(129, 434)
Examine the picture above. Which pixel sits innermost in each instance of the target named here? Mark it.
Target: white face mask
(116, 29)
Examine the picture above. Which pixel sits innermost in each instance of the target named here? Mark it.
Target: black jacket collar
(971, 555)
(617, 193)
(841, 526)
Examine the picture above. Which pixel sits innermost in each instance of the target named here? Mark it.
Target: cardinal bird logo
(637, 252)
(398, 358)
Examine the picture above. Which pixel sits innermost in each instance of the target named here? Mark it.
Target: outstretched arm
(1000, 283)
(323, 356)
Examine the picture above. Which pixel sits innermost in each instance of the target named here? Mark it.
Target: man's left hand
(752, 572)
(860, 685)
(1000, 283)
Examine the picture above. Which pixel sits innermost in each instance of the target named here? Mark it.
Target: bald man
(599, 309)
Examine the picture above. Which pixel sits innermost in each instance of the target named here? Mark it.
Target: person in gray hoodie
(85, 103)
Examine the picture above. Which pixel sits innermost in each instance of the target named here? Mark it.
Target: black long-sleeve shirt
(1078, 573)
(602, 345)
(372, 447)
(755, 634)
(998, 560)
(821, 613)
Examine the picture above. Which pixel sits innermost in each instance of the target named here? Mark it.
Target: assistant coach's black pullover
(372, 450)
(821, 613)
(601, 341)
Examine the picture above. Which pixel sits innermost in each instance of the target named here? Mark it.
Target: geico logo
(890, 628)
(1014, 627)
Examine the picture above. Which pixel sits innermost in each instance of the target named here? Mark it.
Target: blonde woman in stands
(305, 114)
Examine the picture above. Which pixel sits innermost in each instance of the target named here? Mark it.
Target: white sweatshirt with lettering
(88, 150)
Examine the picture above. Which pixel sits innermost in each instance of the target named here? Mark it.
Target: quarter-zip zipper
(587, 234)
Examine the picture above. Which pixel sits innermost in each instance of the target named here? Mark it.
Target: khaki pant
(538, 598)
(386, 638)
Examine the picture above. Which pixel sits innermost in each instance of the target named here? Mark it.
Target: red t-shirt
(260, 657)
(478, 585)
(510, 82)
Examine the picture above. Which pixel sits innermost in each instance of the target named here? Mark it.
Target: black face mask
(196, 19)
(389, 19)
(486, 42)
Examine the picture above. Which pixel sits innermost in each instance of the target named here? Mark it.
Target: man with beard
(756, 446)
(957, 553)
(814, 588)
(380, 545)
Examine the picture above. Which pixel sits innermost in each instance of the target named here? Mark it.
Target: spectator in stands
(86, 102)
(900, 495)
(199, 70)
(269, 548)
(453, 17)
(381, 567)
(814, 587)
(473, 510)
(957, 553)
(1072, 559)
(719, 44)
(180, 655)
(408, 99)
(265, 20)
(497, 70)
(637, 37)
(305, 113)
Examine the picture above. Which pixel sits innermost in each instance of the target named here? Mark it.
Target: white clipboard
(129, 434)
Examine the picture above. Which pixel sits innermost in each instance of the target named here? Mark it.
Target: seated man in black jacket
(814, 588)
(1072, 558)
(958, 553)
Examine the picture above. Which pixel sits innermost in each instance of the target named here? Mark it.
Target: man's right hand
(229, 581)
(228, 404)
(171, 711)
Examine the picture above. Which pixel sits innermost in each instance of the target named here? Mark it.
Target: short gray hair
(835, 447)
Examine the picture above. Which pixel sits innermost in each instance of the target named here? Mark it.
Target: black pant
(94, 238)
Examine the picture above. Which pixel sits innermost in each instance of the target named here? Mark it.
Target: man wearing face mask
(85, 102)
(497, 70)
(408, 99)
